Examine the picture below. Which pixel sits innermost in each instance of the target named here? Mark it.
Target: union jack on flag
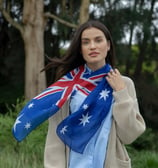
(43, 106)
(76, 79)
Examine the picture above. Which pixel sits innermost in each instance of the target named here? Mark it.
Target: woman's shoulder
(128, 80)
(130, 85)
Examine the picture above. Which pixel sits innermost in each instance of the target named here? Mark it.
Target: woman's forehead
(92, 32)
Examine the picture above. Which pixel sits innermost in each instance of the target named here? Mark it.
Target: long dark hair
(73, 57)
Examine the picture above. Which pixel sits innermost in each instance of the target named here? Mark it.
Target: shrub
(144, 159)
(26, 154)
(147, 141)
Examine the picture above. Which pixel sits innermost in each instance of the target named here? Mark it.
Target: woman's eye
(85, 42)
(99, 40)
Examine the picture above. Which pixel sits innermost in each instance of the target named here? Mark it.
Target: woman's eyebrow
(85, 38)
(97, 37)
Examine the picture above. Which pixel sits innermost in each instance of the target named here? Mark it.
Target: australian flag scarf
(77, 129)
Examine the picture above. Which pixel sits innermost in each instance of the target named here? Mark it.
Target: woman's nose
(92, 45)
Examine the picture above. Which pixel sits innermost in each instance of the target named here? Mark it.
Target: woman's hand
(115, 80)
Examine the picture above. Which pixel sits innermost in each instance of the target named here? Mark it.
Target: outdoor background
(32, 31)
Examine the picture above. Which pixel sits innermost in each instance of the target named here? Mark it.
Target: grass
(26, 154)
(23, 159)
(143, 158)
(146, 159)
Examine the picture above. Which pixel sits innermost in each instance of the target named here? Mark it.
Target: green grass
(143, 158)
(23, 159)
(26, 154)
(146, 159)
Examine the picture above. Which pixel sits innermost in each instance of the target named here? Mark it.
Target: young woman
(112, 106)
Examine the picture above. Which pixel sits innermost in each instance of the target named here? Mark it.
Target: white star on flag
(17, 122)
(104, 94)
(64, 129)
(85, 119)
(27, 125)
(85, 106)
(30, 105)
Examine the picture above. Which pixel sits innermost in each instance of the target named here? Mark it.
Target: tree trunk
(140, 60)
(143, 45)
(84, 11)
(33, 36)
(131, 26)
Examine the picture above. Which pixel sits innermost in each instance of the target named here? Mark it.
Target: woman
(92, 47)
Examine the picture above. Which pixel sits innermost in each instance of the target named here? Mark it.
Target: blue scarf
(78, 128)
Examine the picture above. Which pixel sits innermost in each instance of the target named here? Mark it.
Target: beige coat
(127, 125)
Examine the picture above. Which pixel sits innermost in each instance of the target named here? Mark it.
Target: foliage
(147, 141)
(147, 91)
(143, 159)
(29, 152)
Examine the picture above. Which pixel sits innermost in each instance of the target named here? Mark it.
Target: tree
(32, 28)
(84, 11)
(144, 36)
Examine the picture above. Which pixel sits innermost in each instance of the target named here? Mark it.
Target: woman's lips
(93, 54)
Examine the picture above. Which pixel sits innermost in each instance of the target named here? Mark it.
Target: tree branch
(49, 15)
(9, 18)
(84, 11)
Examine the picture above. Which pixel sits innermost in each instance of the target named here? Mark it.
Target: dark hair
(73, 57)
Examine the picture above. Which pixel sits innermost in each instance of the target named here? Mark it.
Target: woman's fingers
(115, 80)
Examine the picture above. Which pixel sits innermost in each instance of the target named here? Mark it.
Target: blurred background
(32, 31)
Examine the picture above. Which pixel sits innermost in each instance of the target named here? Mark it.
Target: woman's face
(94, 47)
